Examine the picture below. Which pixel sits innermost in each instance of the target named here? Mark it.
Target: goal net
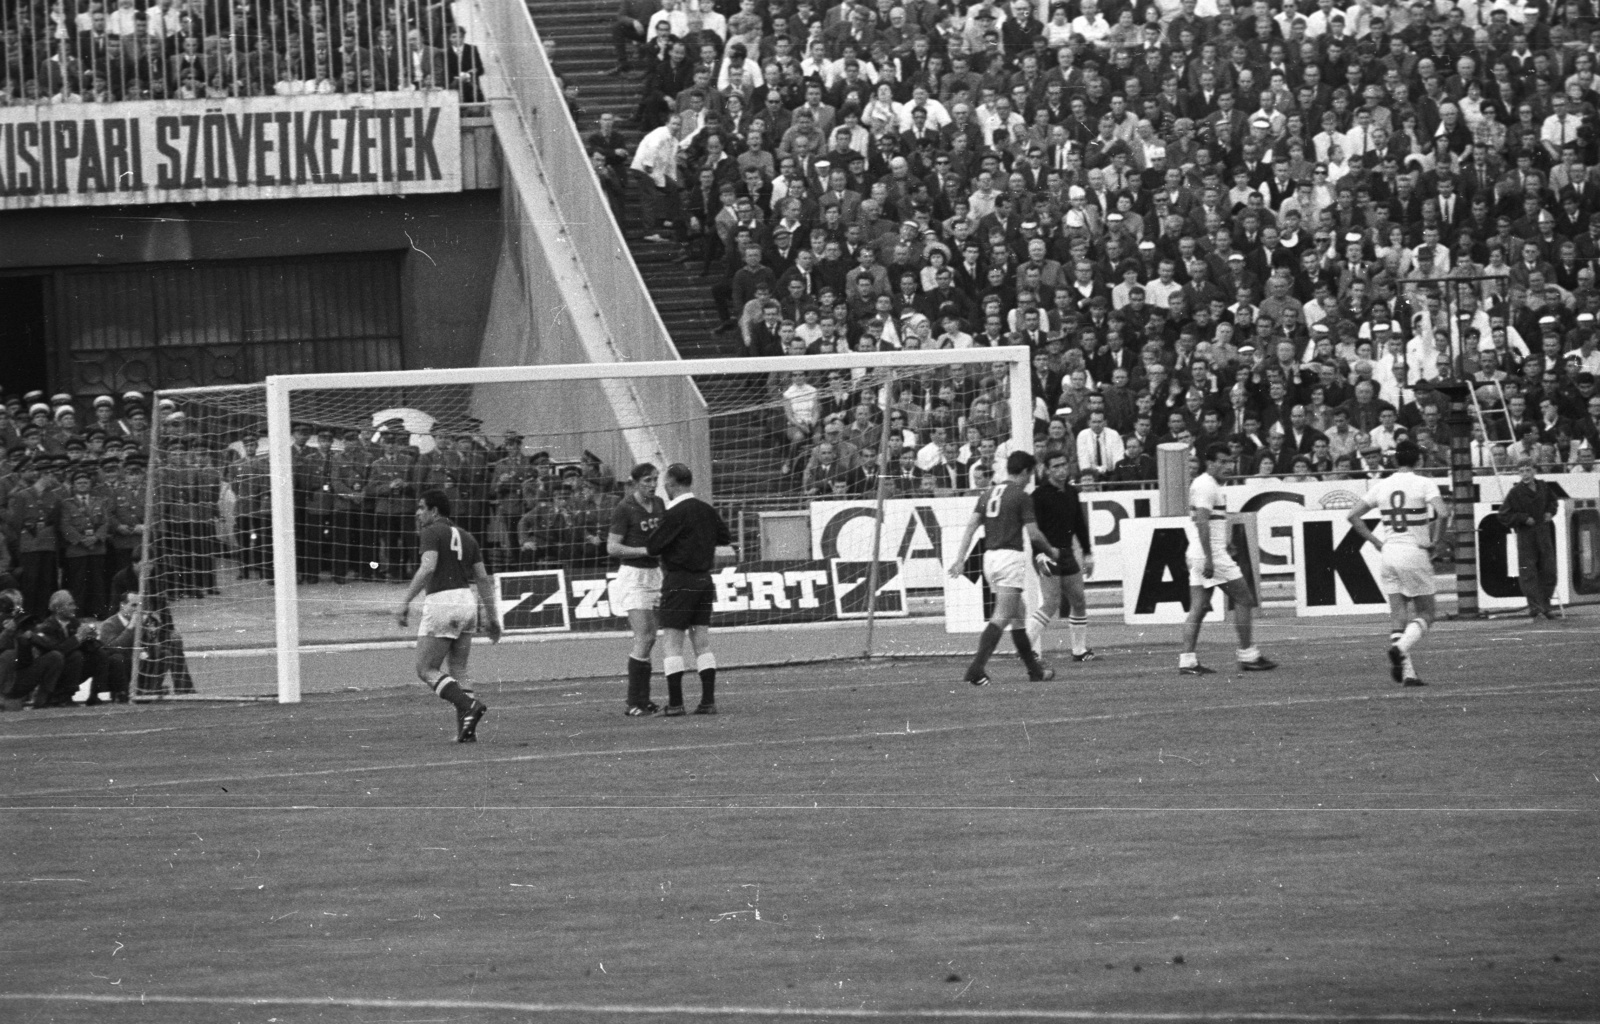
(282, 534)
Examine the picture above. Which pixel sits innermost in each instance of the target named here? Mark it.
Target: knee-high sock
(452, 692)
(1078, 631)
(707, 666)
(1414, 631)
(638, 682)
(986, 645)
(1038, 622)
(672, 668)
(1024, 648)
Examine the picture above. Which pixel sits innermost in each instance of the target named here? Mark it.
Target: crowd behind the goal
(1274, 225)
(89, 51)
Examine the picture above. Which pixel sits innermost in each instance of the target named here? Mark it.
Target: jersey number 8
(992, 509)
(1395, 514)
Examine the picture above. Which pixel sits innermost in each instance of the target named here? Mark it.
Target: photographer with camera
(17, 678)
(68, 648)
(163, 646)
(117, 635)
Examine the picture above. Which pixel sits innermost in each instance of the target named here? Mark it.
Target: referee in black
(686, 541)
(1062, 519)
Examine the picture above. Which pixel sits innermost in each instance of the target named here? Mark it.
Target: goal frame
(281, 388)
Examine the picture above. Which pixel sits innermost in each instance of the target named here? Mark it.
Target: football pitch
(846, 841)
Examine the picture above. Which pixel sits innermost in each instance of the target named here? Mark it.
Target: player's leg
(467, 718)
(1399, 616)
(1077, 616)
(1199, 604)
(1049, 607)
(642, 621)
(1244, 605)
(437, 636)
(672, 644)
(705, 663)
(1425, 609)
(1037, 672)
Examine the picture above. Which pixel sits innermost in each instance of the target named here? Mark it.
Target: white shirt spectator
(657, 156)
(1099, 451)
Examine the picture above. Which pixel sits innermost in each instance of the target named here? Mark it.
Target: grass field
(846, 841)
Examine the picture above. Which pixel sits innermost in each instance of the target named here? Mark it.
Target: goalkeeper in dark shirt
(686, 541)
(1062, 519)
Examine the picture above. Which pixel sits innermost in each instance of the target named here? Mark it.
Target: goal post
(308, 538)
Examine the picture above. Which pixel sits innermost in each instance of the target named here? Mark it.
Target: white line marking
(635, 1009)
(1175, 709)
(712, 806)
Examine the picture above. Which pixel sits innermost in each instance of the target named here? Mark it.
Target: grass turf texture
(846, 839)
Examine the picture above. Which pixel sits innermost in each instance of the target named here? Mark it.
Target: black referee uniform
(1060, 516)
(686, 541)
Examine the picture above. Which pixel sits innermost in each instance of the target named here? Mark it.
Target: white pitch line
(856, 1013)
(563, 755)
(709, 805)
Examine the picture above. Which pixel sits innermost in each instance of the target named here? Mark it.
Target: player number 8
(992, 510)
(1396, 513)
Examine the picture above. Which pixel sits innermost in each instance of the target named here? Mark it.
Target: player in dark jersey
(451, 568)
(1062, 520)
(637, 590)
(687, 541)
(1005, 512)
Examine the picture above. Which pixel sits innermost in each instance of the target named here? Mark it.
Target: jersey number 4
(455, 544)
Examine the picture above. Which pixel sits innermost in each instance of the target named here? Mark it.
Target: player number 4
(455, 543)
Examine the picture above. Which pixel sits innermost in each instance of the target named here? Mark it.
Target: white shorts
(1005, 568)
(1223, 569)
(636, 589)
(1405, 569)
(449, 613)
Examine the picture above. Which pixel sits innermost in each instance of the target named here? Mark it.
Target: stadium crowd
(73, 51)
(1274, 224)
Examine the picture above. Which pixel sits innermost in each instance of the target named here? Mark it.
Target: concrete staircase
(742, 457)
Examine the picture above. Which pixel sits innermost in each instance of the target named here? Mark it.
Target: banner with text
(753, 593)
(922, 532)
(271, 147)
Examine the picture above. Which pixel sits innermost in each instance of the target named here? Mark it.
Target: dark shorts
(686, 600)
(1067, 564)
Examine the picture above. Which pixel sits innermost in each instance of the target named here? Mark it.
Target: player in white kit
(1413, 524)
(1211, 564)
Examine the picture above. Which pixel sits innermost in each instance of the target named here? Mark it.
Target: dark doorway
(22, 334)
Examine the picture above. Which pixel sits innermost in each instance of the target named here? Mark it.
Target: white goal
(280, 520)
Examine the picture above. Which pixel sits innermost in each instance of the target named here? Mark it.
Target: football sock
(1078, 630)
(1188, 659)
(986, 645)
(1038, 622)
(1249, 654)
(707, 664)
(1024, 647)
(1411, 636)
(672, 668)
(450, 690)
(638, 682)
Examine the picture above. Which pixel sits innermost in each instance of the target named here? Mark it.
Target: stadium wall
(446, 245)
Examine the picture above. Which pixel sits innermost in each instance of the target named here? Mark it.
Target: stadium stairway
(742, 457)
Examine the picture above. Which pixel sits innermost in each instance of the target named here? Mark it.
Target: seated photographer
(66, 651)
(163, 646)
(15, 625)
